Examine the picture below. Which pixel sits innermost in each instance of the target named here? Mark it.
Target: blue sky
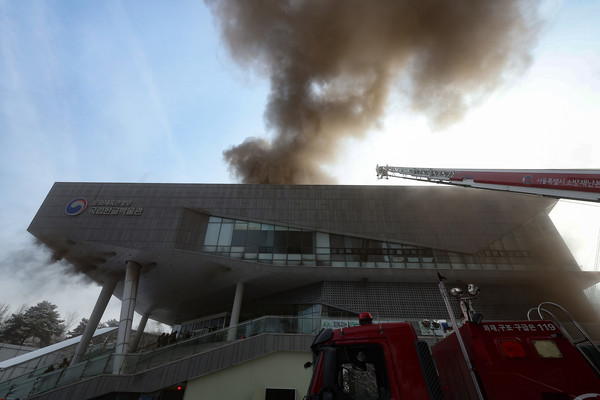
(144, 91)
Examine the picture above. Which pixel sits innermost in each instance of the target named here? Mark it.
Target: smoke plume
(333, 63)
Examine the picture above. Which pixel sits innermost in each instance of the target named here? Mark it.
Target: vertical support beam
(140, 332)
(94, 320)
(235, 311)
(130, 287)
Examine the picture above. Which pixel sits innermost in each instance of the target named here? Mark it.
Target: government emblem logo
(76, 206)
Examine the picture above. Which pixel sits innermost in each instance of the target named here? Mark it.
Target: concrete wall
(248, 381)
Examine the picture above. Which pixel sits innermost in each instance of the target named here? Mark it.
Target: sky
(147, 91)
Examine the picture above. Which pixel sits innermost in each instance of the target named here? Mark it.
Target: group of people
(166, 339)
(63, 364)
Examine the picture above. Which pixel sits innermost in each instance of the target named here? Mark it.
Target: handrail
(573, 321)
(539, 310)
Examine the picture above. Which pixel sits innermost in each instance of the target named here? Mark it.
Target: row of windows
(505, 253)
(205, 326)
(268, 238)
(274, 244)
(381, 251)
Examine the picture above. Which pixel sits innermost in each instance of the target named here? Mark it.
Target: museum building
(205, 257)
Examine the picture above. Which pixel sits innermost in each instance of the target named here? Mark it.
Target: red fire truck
(499, 360)
(514, 360)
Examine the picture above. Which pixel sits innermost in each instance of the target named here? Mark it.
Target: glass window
(266, 238)
(253, 238)
(295, 239)
(239, 238)
(367, 264)
(254, 226)
(265, 258)
(225, 235)
(212, 234)
(223, 250)
(337, 241)
(280, 239)
(241, 225)
(322, 239)
(349, 242)
(308, 240)
(362, 373)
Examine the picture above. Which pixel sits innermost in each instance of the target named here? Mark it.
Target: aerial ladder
(580, 184)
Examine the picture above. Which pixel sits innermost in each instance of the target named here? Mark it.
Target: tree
(70, 318)
(79, 329)
(111, 323)
(14, 330)
(44, 322)
(40, 322)
(4, 312)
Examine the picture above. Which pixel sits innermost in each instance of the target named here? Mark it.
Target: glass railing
(22, 387)
(295, 325)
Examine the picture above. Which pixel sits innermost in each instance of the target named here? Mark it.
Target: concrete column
(130, 287)
(94, 320)
(235, 311)
(140, 332)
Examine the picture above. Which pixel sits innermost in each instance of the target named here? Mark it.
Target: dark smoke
(332, 64)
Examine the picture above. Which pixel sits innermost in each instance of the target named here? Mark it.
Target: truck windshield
(361, 373)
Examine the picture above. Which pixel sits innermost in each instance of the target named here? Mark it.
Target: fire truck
(498, 360)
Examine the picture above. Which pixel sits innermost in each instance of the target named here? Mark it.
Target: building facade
(202, 257)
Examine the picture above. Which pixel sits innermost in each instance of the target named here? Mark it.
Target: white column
(94, 320)
(235, 311)
(140, 332)
(130, 287)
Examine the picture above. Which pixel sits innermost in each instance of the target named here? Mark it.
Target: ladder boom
(563, 184)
